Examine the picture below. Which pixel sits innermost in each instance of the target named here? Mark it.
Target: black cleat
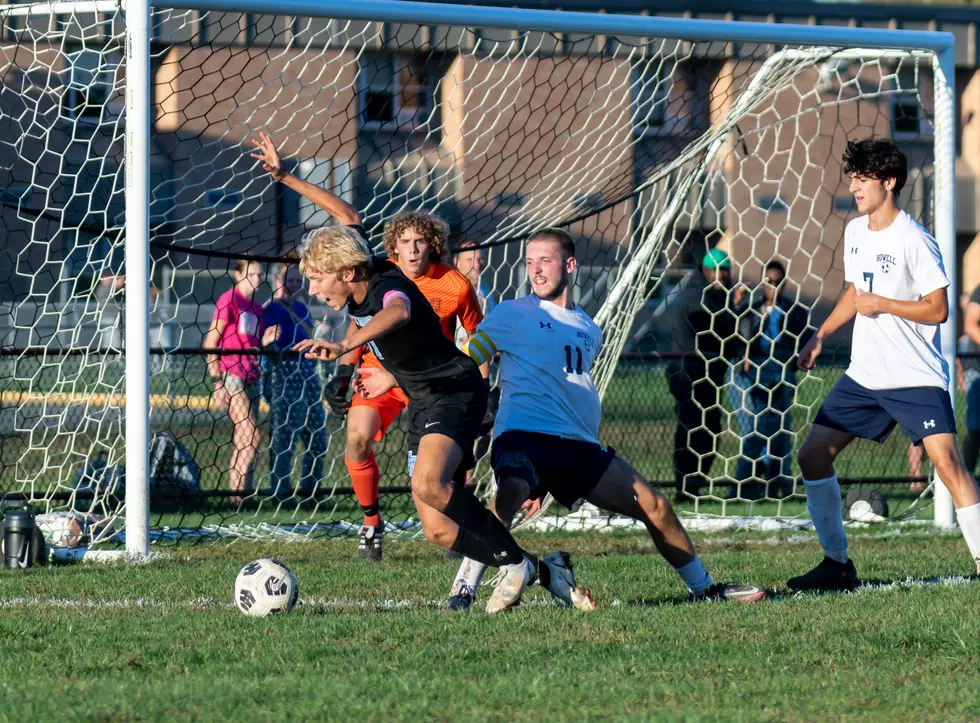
(369, 542)
(828, 575)
(460, 602)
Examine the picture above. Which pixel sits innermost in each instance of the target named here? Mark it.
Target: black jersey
(420, 357)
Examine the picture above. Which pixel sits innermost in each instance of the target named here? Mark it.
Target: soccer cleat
(733, 591)
(511, 583)
(560, 582)
(828, 575)
(460, 601)
(369, 542)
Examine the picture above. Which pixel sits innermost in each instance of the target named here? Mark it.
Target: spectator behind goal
(238, 324)
(764, 383)
(295, 409)
(702, 322)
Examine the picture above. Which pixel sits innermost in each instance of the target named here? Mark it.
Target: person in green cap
(703, 323)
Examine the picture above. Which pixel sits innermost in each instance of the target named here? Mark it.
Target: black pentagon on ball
(246, 599)
(251, 568)
(276, 586)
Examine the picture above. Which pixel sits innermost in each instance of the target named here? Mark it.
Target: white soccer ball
(265, 587)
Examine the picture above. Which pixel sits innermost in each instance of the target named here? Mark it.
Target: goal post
(650, 138)
(137, 251)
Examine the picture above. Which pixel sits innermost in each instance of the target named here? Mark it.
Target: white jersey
(899, 262)
(546, 356)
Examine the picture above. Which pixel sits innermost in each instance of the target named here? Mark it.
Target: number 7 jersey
(546, 357)
(899, 262)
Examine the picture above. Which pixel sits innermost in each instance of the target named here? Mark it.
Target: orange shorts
(388, 406)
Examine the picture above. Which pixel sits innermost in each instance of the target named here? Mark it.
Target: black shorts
(567, 469)
(454, 409)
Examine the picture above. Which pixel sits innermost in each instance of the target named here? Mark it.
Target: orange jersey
(452, 297)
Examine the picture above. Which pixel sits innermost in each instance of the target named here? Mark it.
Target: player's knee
(359, 443)
(950, 469)
(815, 462)
(439, 535)
(426, 486)
(656, 508)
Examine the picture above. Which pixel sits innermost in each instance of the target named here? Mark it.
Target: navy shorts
(873, 413)
(567, 469)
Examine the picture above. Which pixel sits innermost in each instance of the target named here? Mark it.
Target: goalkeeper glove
(335, 390)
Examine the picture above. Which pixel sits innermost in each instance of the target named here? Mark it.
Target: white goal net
(650, 146)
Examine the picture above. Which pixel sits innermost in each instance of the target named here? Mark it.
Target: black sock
(971, 448)
(466, 511)
(471, 546)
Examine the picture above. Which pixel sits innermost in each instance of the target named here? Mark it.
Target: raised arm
(333, 204)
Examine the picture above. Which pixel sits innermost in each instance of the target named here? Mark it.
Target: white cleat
(511, 583)
(561, 583)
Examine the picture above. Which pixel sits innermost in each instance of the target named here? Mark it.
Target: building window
(396, 91)
(906, 108)
(224, 198)
(772, 203)
(91, 94)
(668, 96)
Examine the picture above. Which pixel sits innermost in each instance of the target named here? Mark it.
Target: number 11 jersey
(546, 357)
(899, 262)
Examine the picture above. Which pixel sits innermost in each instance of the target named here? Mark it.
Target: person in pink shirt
(238, 324)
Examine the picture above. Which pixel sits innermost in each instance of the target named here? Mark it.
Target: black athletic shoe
(460, 602)
(828, 575)
(369, 543)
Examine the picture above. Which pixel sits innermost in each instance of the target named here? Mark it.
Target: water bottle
(19, 538)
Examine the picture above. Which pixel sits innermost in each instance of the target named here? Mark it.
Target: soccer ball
(265, 587)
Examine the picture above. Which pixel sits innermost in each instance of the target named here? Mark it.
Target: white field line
(317, 603)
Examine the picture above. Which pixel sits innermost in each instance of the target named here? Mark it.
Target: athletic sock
(469, 574)
(969, 519)
(466, 511)
(475, 550)
(365, 477)
(695, 576)
(824, 504)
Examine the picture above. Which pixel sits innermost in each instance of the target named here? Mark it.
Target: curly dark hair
(429, 226)
(877, 158)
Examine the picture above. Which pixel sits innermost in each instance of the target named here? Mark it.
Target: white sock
(969, 519)
(470, 573)
(823, 502)
(695, 576)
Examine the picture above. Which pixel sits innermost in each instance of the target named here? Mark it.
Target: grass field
(368, 643)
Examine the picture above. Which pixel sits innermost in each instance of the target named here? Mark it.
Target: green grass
(183, 653)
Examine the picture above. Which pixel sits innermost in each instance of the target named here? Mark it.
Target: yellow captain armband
(480, 348)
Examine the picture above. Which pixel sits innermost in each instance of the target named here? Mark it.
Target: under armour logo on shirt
(545, 324)
(928, 425)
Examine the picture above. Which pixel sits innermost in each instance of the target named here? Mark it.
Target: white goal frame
(137, 152)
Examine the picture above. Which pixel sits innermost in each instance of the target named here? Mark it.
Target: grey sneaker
(733, 591)
(369, 542)
(511, 583)
(560, 582)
